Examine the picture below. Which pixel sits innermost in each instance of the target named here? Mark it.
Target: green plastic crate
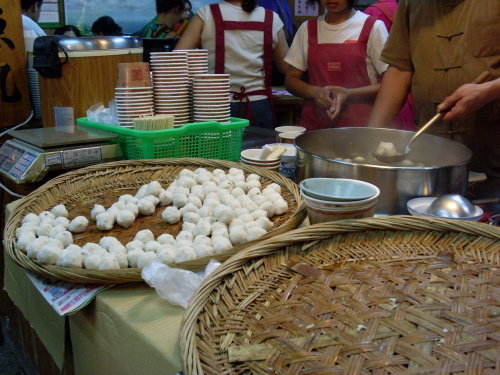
(209, 140)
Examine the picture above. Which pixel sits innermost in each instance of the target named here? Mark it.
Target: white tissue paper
(175, 285)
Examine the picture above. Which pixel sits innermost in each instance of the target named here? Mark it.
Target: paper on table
(66, 298)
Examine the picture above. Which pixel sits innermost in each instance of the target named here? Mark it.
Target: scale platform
(32, 153)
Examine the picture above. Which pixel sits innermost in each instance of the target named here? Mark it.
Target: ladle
(402, 156)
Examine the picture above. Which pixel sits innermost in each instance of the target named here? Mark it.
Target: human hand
(466, 99)
(340, 96)
(322, 97)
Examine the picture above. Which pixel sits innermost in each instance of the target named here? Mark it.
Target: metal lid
(100, 42)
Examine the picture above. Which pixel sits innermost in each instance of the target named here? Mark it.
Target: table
(128, 329)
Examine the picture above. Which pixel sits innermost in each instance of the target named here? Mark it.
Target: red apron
(336, 64)
(267, 28)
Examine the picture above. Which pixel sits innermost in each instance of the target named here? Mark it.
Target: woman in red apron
(342, 66)
(242, 39)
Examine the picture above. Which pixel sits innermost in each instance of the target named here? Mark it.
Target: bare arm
(391, 96)
(280, 52)
(470, 98)
(191, 37)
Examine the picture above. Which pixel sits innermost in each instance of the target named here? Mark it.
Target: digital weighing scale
(32, 153)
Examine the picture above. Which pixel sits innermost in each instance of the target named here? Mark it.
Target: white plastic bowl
(338, 189)
(253, 155)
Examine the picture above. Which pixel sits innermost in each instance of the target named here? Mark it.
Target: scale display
(15, 160)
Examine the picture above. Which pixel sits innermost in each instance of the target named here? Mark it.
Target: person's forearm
(298, 87)
(391, 97)
(363, 94)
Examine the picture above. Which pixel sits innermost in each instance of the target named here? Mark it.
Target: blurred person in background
(242, 39)
(170, 13)
(69, 30)
(31, 10)
(339, 53)
(385, 10)
(106, 26)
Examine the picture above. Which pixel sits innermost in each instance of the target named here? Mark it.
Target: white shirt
(31, 28)
(244, 53)
(348, 30)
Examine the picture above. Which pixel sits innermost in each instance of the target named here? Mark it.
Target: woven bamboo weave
(385, 295)
(103, 184)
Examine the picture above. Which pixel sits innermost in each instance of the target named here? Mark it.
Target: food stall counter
(128, 329)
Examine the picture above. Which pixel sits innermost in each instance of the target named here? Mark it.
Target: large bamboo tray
(393, 295)
(102, 184)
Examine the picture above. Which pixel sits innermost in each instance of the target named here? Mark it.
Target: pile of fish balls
(218, 211)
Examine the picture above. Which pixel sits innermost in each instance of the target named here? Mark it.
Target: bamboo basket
(102, 184)
(384, 295)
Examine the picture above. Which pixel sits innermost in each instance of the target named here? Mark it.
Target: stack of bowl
(329, 199)
(252, 156)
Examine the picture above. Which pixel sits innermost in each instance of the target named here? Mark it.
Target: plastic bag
(174, 284)
(98, 113)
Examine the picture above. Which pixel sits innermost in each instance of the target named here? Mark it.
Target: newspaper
(66, 298)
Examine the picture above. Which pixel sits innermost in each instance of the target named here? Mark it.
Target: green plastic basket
(209, 140)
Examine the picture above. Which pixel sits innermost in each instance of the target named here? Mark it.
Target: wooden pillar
(14, 91)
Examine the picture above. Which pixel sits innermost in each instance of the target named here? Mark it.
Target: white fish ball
(92, 247)
(105, 221)
(255, 232)
(265, 223)
(133, 257)
(44, 230)
(189, 207)
(203, 251)
(109, 262)
(126, 198)
(236, 192)
(237, 235)
(113, 211)
(34, 246)
(146, 207)
(191, 217)
(48, 254)
(179, 200)
(60, 210)
(24, 239)
(184, 254)
(166, 238)
(166, 198)
(221, 244)
(166, 254)
(65, 237)
(201, 239)
(205, 211)
(119, 204)
(144, 259)
(55, 242)
(188, 227)
(117, 248)
(56, 230)
(141, 193)
(144, 235)
(202, 228)
(121, 259)
(46, 215)
(154, 188)
(98, 209)
(189, 173)
(254, 184)
(153, 199)
(259, 213)
(71, 259)
(268, 207)
(171, 215)
(125, 218)
(151, 246)
(31, 218)
(107, 241)
(92, 261)
(280, 206)
(132, 207)
(61, 220)
(134, 245)
(78, 225)
(224, 214)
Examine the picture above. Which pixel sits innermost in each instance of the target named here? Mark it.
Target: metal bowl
(439, 165)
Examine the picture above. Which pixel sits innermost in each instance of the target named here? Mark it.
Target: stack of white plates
(197, 63)
(211, 98)
(133, 102)
(171, 85)
(34, 91)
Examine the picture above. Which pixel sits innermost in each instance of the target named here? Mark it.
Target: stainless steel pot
(440, 166)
